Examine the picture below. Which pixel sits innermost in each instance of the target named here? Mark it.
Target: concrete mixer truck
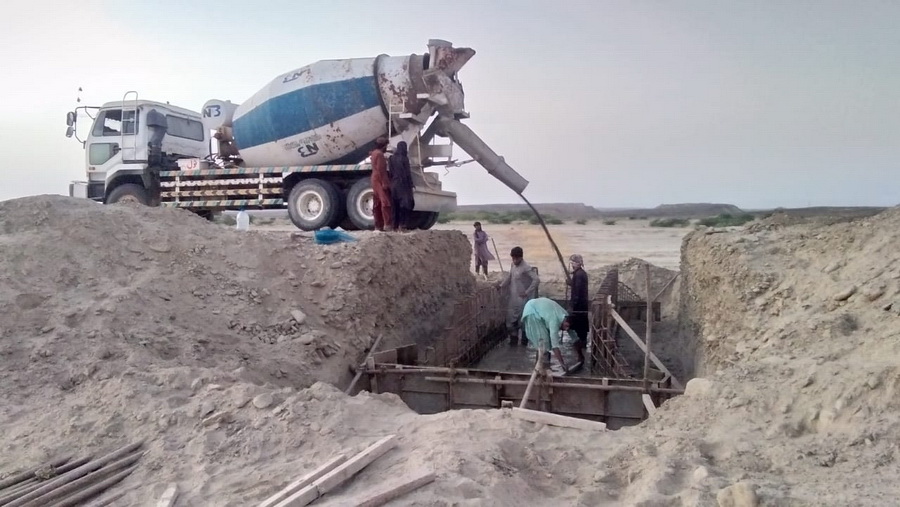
(300, 143)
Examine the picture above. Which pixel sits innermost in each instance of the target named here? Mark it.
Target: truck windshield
(115, 122)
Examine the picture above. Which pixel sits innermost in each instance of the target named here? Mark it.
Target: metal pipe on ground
(24, 476)
(76, 474)
(19, 491)
(96, 489)
(87, 480)
(109, 500)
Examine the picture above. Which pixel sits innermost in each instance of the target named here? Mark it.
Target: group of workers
(540, 320)
(392, 186)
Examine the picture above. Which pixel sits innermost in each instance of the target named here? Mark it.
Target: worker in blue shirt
(542, 320)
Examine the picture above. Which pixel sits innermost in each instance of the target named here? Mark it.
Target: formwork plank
(578, 401)
(475, 395)
(417, 383)
(557, 420)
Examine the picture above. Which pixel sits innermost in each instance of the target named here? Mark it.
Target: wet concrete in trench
(521, 358)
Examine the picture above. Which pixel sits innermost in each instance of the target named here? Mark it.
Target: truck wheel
(360, 200)
(314, 203)
(431, 218)
(130, 193)
(423, 220)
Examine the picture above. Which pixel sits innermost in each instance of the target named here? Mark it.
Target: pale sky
(610, 103)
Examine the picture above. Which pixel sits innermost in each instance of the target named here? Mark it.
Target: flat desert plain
(598, 243)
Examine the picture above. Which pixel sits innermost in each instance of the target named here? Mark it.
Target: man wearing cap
(579, 304)
(521, 282)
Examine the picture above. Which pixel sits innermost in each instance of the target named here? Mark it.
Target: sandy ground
(599, 244)
(125, 324)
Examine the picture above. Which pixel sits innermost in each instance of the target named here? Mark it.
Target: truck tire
(431, 218)
(314, 203)
(423, 220)
(128, 192)
(360, 199)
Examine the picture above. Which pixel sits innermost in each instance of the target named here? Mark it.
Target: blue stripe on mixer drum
(305, 109)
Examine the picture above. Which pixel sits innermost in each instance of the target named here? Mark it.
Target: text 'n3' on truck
(302, 143)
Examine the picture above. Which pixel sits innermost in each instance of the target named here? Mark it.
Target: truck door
(111, 142)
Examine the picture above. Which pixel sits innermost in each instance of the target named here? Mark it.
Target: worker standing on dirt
(579, 304)
(482, 254)
(542, 320)
(402, 200)
(381, 186)
(521, 282)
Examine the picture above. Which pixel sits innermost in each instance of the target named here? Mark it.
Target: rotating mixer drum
(331, 112)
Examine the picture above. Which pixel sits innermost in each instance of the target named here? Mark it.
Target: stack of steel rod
(65, 482)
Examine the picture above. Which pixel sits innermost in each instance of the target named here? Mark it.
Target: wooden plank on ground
(169, 496)
(648, 404)
(391, 492)
(641, 345)
(304, 481)
(557, 420)
(340, 474)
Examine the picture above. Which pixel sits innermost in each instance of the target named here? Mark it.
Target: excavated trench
(473, 365)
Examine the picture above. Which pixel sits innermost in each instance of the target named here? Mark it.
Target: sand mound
(797, 333)
(107, 308)
(127, 323)
(138, 285)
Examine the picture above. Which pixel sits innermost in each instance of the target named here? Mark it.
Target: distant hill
(696, 210)
(564, 211)
(579, 211)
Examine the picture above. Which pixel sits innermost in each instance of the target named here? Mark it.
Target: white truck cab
(118, 147)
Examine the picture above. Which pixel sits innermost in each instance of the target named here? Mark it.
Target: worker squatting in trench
(539, 321)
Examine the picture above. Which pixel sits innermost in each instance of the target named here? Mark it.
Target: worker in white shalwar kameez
(521, 284)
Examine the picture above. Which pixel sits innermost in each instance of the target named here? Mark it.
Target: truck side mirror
(70, 130)
(70, 118)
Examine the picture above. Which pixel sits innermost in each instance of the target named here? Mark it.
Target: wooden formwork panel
(582, 402)
(386, 383)
(475, 395)
(417, 383)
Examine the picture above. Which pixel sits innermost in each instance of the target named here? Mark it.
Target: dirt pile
(796, 334)
(110, 335)
(144, 285)
(108, 308)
